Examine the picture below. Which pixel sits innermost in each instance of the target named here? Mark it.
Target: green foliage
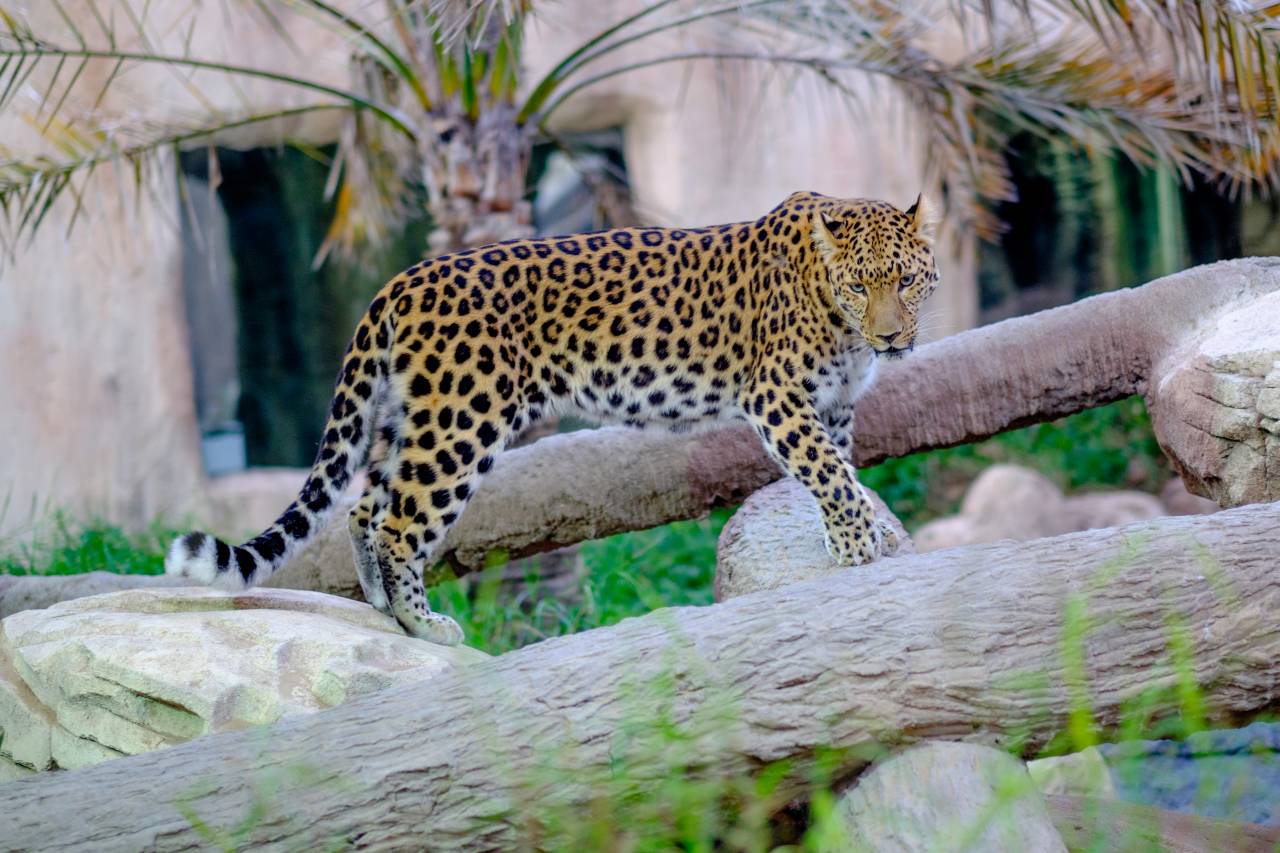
(626, 575)
(62, 547)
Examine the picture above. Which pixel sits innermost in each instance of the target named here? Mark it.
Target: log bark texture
(966, 644)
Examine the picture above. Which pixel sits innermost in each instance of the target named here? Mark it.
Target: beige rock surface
(10, 772)
(1014, 502)
(1218, 403)
(776, 538)
(1080, 774)
(949, 797)
(1178, 500)
(139, 670)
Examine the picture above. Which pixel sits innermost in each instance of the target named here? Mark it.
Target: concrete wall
(96, 396)
(96, 407)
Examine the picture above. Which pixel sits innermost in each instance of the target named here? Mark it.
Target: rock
(1216, 407)
(1004, 502)
(132, 671)
(10, 772)
(1010, 499)
(35, 592)
(1177, 500)
(1227, 773)
(1096, 510)
(949, 796)
(1080, 774)
(776, 538)
(1013, 502)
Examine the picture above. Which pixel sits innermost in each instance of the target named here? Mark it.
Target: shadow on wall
(1083, 225)
(268, 330)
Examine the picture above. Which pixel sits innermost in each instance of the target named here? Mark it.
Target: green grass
(625, 575)
(63, 547)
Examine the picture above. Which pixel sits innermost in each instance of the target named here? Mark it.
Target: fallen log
(992, 644)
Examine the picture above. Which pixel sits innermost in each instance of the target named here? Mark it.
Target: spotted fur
(774, 321)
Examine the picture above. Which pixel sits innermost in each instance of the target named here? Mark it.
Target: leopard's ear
(802, 197)
(826, 228)
(924, 218)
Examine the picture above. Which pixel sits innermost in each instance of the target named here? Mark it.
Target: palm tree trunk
(474, 171)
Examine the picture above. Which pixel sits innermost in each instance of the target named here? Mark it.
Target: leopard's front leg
(795, 436)
(840, 383)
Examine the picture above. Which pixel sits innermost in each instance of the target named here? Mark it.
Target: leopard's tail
(347, 438)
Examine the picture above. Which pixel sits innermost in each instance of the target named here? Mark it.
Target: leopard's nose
(886, 328)
(899, 338)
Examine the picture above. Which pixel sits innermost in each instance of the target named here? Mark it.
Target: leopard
(778, 322)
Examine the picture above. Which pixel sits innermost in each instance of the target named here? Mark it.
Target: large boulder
(949, 796)
(776, 538)
(1215, 404)
(1013, 502)
(132, 671)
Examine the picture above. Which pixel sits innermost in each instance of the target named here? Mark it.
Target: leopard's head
(879, 266)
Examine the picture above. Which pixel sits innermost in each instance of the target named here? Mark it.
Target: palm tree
(436, 117)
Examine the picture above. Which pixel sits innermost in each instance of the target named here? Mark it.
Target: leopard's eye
(907, 280)
(858, 288)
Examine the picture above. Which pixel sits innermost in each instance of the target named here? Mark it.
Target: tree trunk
(993, 644)
(474, 172)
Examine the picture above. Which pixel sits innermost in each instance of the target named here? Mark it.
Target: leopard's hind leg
(360, 525)
(360, 521)
(438, 465)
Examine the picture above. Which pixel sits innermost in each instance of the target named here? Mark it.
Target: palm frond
(29, 54)
(75, 140)
(1110, 76)
(379, 50)
(30, 185)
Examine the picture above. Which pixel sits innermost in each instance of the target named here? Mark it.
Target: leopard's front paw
(888, 542)
(852, 546)
(863, 541)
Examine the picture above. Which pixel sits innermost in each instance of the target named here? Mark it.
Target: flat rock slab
(137, 670)
(949, 796)
(776, 538)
